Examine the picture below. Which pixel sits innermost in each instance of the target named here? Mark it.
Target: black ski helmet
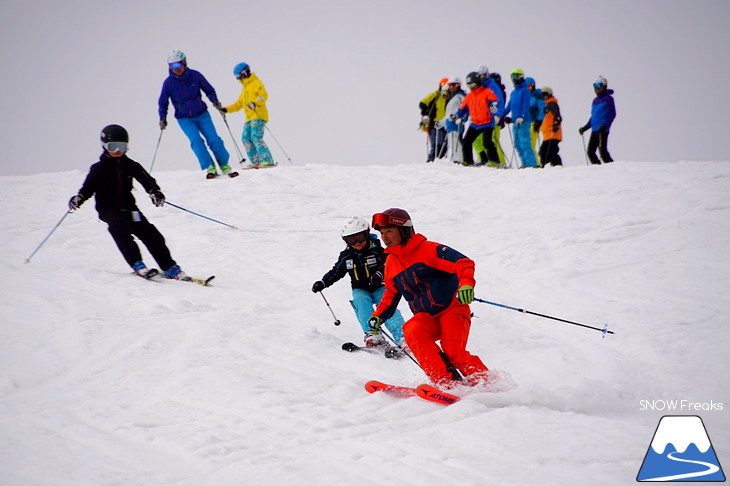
(114, 133)
(473, 78)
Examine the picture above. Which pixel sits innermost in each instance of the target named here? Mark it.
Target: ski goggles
(382, 220)
(598, 85)
(115, 147)
(176, 65)
(245, 73)
(357, 238)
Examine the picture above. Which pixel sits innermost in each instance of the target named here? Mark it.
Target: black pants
(549, 153)
(598, 141)
(470, 136)
(123, 229)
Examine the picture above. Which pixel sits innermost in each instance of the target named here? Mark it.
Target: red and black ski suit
(428, 275)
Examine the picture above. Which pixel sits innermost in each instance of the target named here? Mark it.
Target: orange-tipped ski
(377, 386)
(433, 394)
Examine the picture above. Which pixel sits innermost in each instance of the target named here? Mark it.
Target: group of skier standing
(533, 112)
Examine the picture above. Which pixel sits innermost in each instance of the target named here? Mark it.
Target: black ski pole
(337, 321)
(154, 157)
(200, 215)
(27, 260)
(382, 329)
(604, 330)
(585, 150)
(238, 150)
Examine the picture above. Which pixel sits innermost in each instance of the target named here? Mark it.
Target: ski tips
(349, 347)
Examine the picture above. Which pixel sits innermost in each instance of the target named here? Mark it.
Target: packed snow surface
(108, 379)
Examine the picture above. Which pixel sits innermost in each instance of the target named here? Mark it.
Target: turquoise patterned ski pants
(253, 141)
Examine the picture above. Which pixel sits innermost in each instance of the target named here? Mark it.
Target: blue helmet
(242, 70)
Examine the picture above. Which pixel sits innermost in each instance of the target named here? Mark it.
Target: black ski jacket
(111, 181)
(365, 267)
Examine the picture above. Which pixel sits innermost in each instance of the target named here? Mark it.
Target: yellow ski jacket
(253, 92)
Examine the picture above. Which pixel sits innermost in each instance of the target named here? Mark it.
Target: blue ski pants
(523, 144)
(364, 303)
(253, 141)
(203, 124)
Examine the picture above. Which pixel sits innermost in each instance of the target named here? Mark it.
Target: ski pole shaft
(154, 157)
(386, 334)
(585, 150)
(200, 215)
(241, 158)
(604, 330)
(337, 321)
(27, 260)
(266, 125)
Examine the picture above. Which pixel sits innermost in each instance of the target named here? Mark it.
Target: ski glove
(251, 106)
(582, 130)
(375, 322)
(536, 125)
(425, 120)
(465, 294)
(75, 202)
(438, 125)
(318, 286)
(163, 124)
(493, 108)
(519, 121)
(376, 279)
(507, 120)
(158, 199)
(497, 119)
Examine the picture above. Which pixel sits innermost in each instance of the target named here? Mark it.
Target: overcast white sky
(345, 78)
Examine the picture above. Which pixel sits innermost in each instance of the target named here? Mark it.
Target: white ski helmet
(455, 80)
(354, 225)
(601, 80)
(177, 56)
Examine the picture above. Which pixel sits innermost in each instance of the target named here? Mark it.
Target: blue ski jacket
(519, 102)
(603, 111)
(184, 91)
(491, 84)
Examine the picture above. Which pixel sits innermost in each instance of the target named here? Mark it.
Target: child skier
(364, 260)
(110, 180)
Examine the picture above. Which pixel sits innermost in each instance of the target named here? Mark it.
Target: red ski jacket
(426, 273)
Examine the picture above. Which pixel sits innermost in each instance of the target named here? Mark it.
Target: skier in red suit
(438, 284)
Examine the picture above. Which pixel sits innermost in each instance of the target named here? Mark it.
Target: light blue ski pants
(203, 123)
(364, 303)
(253, 141)
(523, 144)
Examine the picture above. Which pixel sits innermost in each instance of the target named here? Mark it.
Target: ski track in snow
(108, 379)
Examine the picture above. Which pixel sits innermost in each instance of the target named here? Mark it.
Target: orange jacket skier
(438, 284)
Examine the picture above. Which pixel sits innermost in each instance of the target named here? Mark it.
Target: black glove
(218, 106)
(224, 110)
(376, 279)
(318, 286)
(163, 124)
(556, 126)
(75, 202)
(582, 130)
(158, 199)
(507, 120)
(536, 125)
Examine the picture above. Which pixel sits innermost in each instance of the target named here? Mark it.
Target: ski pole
(242, 159)
(585, 150)
(604, 330)
(402, 350)
(27, 260)
(512, 140)
(154, 157)
(266, 125)
(200, 215)
(337, 321)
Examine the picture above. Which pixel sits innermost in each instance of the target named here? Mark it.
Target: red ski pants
(451, 327)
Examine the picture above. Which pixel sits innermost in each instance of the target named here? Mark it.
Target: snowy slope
(107, 379)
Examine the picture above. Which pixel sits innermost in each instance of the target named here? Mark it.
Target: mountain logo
(681, 451)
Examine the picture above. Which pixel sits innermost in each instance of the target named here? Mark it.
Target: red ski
(429, 392)
(426, 392)
(402, 391)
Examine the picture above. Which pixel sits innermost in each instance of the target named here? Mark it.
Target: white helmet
(176, 56)
(455, 80)
(601, 80)
(483, 71)
(354, 225)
